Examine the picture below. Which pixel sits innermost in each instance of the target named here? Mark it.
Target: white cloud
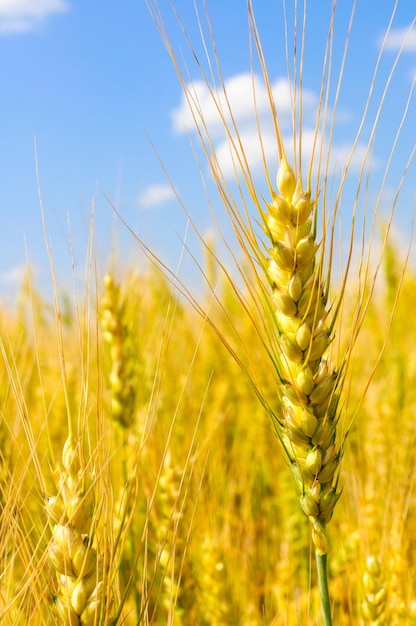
(155, 195)
(362, 156)
(15, 275)
(245, 102)
(226, 156)
(398, 37)
(340, 154)
(19, 16)
(245, 95)
(214, 109)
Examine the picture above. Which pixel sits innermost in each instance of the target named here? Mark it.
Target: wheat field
(142, 479)
(195, 513)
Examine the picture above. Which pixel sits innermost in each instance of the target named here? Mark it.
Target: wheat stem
(321, 565)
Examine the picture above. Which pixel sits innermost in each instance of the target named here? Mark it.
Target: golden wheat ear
(306, 415)
(373, 606)
(115, 335)
(72, 553)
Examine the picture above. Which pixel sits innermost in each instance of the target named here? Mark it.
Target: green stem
(323, 588)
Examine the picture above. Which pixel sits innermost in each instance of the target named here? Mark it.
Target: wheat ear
(306, 414)
(80, 598)
(373, 606)
(122, 391)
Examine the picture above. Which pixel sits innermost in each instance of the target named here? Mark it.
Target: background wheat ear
(121, 376)
(375, 593)
(72, 552)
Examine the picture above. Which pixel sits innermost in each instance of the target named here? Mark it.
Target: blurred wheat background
(196, 511)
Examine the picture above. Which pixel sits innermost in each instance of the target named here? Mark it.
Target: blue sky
(93, 83)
